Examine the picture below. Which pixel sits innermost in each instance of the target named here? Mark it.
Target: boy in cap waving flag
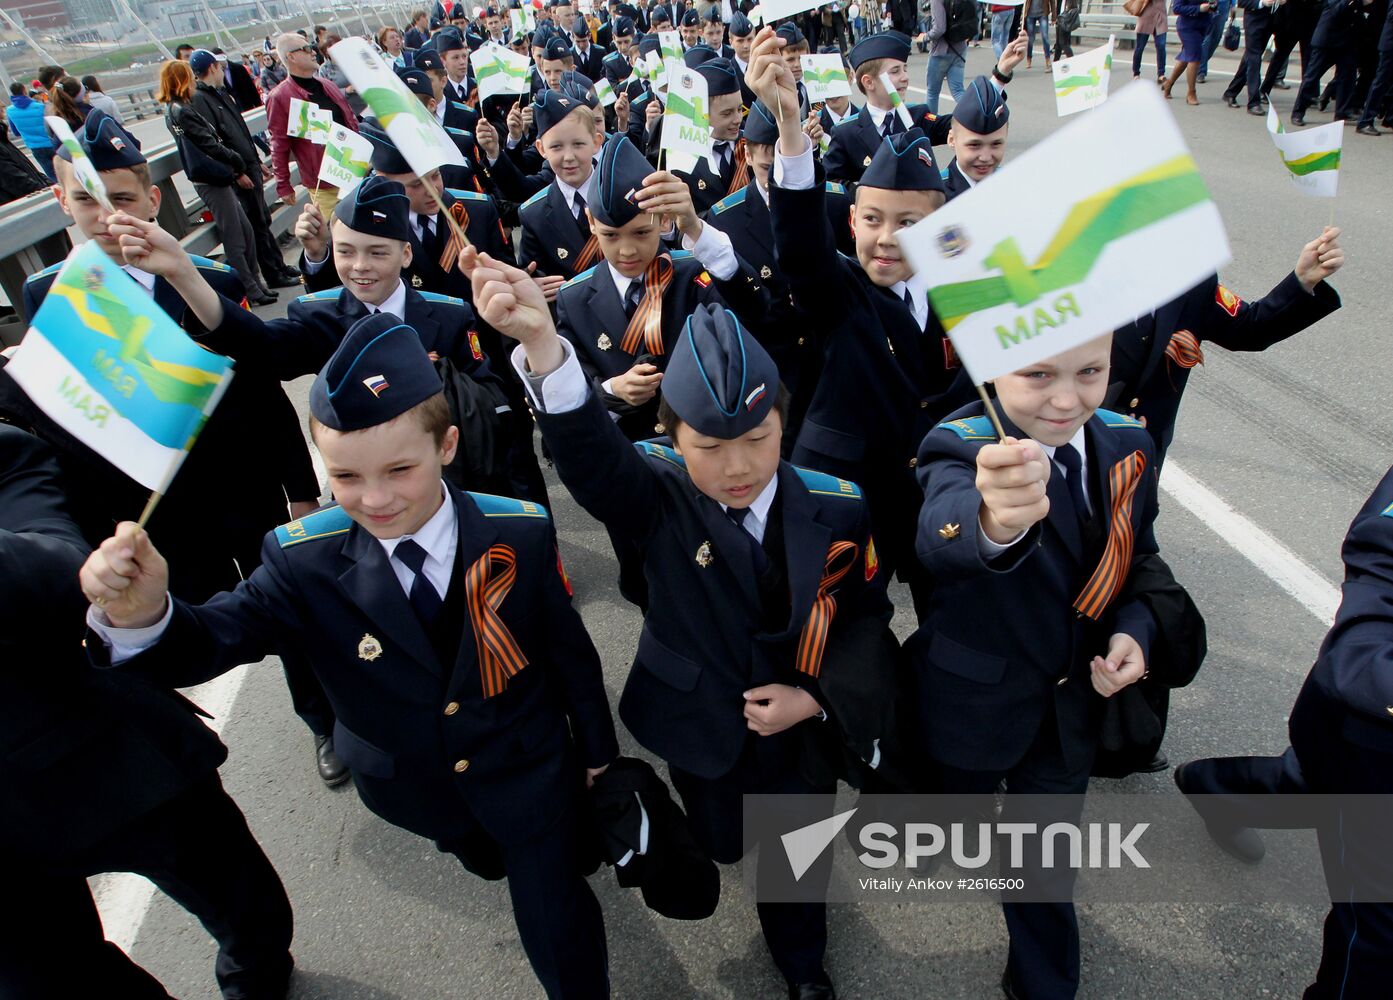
(888, 371)
(745, 554)
(471, 707)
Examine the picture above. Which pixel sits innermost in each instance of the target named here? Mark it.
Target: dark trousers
(307, 695)
(1250, 69)
(1379, 89)
(557, 916)
(198, 850)
(1346, 67)
(796, 933)
(1043, 959)
(1357, 949)
(1289, 31)
(268, 252)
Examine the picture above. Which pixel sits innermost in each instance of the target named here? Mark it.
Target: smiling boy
(977, 137)
(1030, 541)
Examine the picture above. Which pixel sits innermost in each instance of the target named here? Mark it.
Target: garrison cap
(622, 27)
(578, 87)
(789, 32)
(649, 44)
(721, 77)
(760, 126)
(904, 162)
(659, 12)
(107, 144)
(448, 40)
(377, 207)
(558, 48)
(417, 81)
(618, 179)
(740, 26)
(691, 19)
(428, 59)
(386, 157)
(698, 54)
(579, 28)
(552, 106)
(379, 371)
(882, 45)
(719, 379)
(713, 15)
(982, 109)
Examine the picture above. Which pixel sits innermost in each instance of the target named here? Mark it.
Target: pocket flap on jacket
(669, 667)
(833, 444)
(962, 661)
(362, 756)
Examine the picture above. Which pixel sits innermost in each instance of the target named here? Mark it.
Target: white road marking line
(1271, 558)
(942, 96)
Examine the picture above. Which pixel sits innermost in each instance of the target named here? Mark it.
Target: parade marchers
(762, 410)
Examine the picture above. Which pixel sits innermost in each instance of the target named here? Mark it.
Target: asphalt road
(1293, 440)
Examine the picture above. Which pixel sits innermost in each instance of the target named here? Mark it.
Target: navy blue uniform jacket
(1001, 639)
(702, 644)
(855, 141)
(325, 587)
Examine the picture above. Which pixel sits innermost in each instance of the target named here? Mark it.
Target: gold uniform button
(1061, 682)
(452, 708)
(461, 766)
(913, 462)
(800, 341)
(923, 404)
(1134, 403)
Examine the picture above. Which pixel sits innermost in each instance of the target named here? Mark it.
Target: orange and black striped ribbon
(841, 556)
(1107, 579)
(1184, 349)
(453, 247)
(486, 584)
(646, 327)
(589, 254)
(741, 176)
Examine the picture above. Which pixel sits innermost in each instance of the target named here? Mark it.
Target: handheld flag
(1081, 83)
(110, 367)
(896, 101)
(825, 77)
(87, 174)
(523, 20)
(413, 129)
(604, 92)
(776, 10)
(347, 159)
(670, 43)
(686, 123)
(1311, 156)
(1013, 282)
(500, 71)
(308, 121)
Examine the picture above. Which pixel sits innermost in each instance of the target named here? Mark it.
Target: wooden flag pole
(991, 412)
(149, 508)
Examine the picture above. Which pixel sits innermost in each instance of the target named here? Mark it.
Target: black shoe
(1008, 986)
(1230, 100)
(1368, 130)
(331, 767)
(283, 281)
(1282, 85)
(1241, 842)
(1297, 118)
(1255, 110)
(812, 991)
(263, 299)
(1156, 764)
(1323, 103)
(290, 270)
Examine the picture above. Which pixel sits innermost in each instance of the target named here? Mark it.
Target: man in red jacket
(298, 57)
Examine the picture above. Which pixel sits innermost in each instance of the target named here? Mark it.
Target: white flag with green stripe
(1311, 156)
(1128, 226)
(83, 169)
(825, 77)
(498, 70)
(1081, 82)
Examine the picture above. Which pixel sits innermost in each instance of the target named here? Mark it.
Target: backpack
(481, 461)
(962, 21)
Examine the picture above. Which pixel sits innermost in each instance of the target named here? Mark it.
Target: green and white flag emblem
(86, 172)
(1311, 156)
(1128, 226)
(825, 77)
(1081, 83)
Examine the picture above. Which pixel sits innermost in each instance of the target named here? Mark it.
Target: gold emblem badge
(604, 342)
(766, 272)
(562, 252)
(701, 185)
(949, 531)
(866, 162)
(416, 281)
(369, 648)
(703, 555)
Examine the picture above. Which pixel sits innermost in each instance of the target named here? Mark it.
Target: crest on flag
(952, 241)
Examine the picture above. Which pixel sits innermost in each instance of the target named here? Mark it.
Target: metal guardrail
(33, 229)
(1101, 18)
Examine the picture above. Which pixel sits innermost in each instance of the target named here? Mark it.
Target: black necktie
(761, 558)
(425, 600)
(1068, 456)
(632, 297)
(582, 223)
(723, 160)
(427, 231)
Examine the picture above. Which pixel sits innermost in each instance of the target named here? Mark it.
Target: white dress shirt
(989, 548)
(569, 193)
(145, 278)
(918, 301)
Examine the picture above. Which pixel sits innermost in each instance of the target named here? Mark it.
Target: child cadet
(887, 372)
(792, 337)
(253, 436)
(739, 549)
(742, 41)
(795, 47)
(1029, 541)
(713, 33)
(726, 112)
(371, 252)
(471, 707)
(624, 315)
(432, 265)
(977, 137)
(854, 142)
